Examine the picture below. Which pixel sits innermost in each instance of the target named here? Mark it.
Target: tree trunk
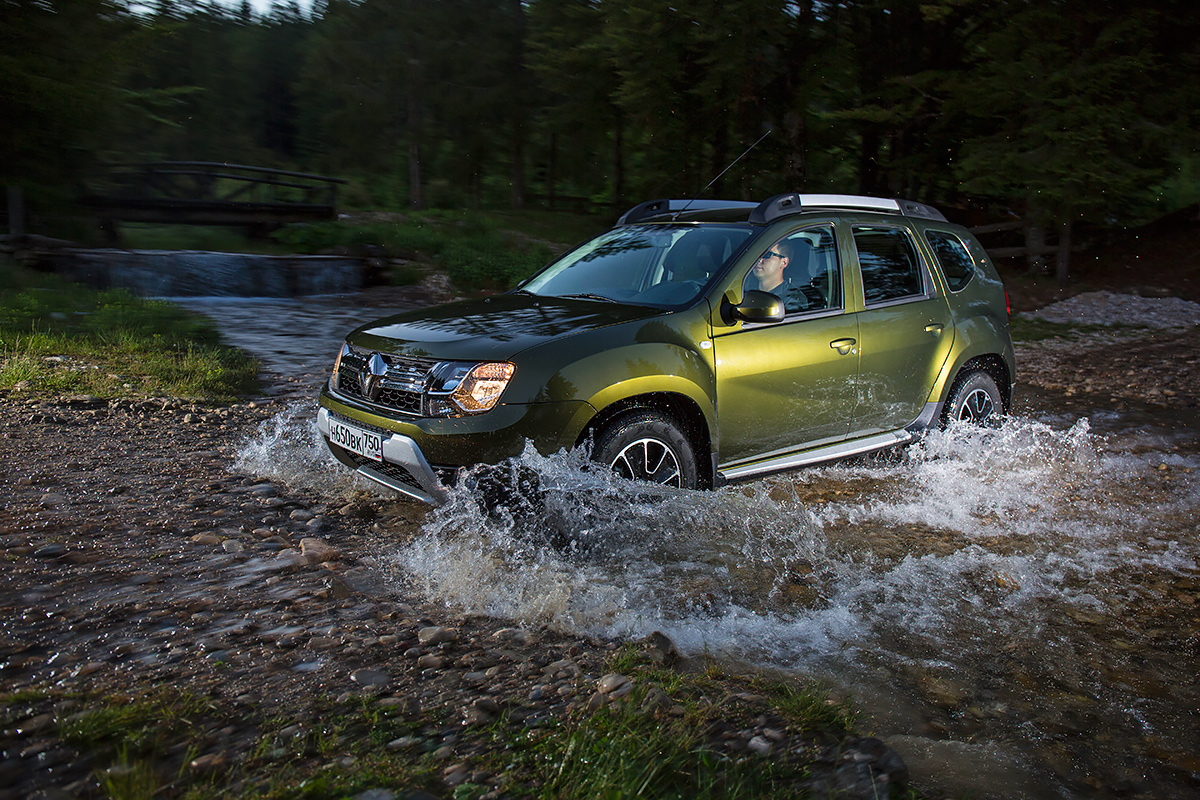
(619, 163)
(551, 168)
(1063, 263)
(416, 195)
(1035, 240)
(16, 211)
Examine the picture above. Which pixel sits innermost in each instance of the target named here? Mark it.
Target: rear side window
(890, 267)
(956, 262)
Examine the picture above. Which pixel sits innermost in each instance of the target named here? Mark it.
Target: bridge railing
(211, 193)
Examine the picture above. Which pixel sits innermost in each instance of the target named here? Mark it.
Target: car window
(657, 265)
(890, 267)
(802, 269)
(953, 257)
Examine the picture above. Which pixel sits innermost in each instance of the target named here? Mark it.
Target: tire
(647, 446)
(975, 399)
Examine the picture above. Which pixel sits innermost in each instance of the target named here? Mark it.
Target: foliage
(1067, 110)
(59, 337)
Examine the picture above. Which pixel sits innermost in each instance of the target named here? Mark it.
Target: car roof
(771, 209)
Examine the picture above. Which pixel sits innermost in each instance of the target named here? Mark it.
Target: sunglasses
(770, 254)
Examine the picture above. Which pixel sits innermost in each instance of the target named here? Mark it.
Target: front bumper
(418, 452)
(404, 468)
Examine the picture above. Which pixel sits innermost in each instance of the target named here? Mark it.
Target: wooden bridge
(212, 193)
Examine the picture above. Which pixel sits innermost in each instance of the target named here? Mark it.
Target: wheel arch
(995, 367)
(680, 408)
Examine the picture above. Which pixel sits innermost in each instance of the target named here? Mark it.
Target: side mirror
(758, 306)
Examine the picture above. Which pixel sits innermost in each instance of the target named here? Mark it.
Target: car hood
(491, 329)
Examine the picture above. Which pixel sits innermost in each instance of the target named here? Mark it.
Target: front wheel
(647, 446)
(975, 400)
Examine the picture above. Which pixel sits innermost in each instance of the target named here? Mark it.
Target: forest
(1053, 110)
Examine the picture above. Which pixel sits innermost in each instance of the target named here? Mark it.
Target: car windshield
(655, 265)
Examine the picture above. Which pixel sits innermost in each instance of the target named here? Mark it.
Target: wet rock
(436, 635)
(370, 678)
(53, 500)
(431, 661)
(660, 649)
(206, 539)
(289, 559)
(52, 550)
(759, 746)
(615, 685)
(318, 550)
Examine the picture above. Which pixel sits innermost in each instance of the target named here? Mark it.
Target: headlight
(337, 364)
(468, 388)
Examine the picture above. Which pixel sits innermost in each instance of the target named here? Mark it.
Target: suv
(695, 343)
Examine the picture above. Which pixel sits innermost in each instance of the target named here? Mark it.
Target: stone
(53, 500)
(431, 661)
(52, 550)
(759, 745)
(436, 635)
(370, 678)
(289, 558)
(318, 550)
(615, 685)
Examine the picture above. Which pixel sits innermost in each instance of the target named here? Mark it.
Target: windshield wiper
(589, 296)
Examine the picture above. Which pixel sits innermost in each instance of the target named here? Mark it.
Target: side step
(831, 452)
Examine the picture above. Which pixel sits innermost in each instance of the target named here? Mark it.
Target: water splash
(288, 449)
(966, 524)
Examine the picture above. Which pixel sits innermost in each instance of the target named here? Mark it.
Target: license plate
(355, 439)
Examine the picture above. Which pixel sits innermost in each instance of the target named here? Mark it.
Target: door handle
(935, 328)
(843, 346)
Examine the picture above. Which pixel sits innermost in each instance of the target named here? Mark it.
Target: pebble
(615, 685)
(371, 678)
(52, 550)
(436, 635)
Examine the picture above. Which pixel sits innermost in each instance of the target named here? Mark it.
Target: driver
(770, 271)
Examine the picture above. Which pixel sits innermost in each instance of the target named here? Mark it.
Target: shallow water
(1015, 610)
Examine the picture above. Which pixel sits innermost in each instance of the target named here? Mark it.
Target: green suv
(695, 343)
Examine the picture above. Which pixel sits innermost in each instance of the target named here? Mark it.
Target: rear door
(905, 329)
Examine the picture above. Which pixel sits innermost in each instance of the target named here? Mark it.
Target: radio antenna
(714, 180)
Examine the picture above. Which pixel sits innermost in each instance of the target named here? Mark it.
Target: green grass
(145, 746)
(60, 338)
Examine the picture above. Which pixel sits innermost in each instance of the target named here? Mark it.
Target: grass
(161, 744)
(61, 338)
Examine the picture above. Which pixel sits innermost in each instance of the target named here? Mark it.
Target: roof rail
(782, 205)
(653, 208)
(779, 205)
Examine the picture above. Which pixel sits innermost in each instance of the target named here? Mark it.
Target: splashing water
(1021, 587)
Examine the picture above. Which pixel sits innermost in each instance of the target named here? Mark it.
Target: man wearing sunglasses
(769, 270)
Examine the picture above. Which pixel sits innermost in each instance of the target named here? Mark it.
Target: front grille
(401, 387)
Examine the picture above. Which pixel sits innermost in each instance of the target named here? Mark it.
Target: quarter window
(956, 262)
(890, 267)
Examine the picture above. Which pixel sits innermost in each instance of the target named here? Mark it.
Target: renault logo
(376, 370)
